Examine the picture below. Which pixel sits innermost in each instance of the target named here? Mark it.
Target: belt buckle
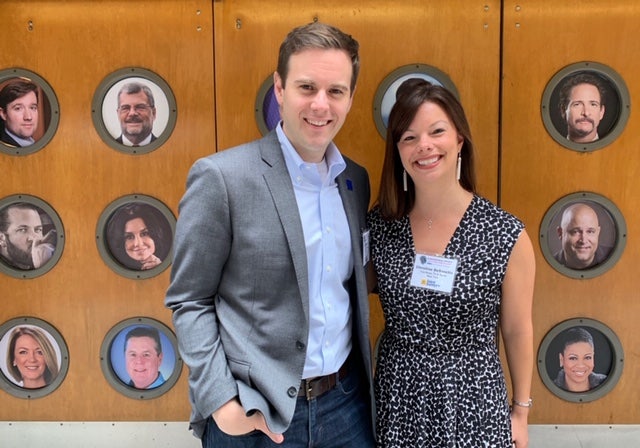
(309, 388)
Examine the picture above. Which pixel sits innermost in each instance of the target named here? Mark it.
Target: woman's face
(137, 241)
(30, 361)
(429, 147)
(577, 360)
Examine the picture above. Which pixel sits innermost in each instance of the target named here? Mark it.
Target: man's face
(315, 99)
(583, 113)
(579, 235)
(21, 115)
(25, 226)
(136, 116)
(143, 361)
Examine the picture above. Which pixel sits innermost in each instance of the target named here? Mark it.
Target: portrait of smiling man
(579, 233)
(268, 284)
(136, 113)
(143, 354)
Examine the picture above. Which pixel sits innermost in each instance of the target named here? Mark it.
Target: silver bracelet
(523, 404)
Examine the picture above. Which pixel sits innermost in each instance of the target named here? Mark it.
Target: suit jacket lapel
(278, 181)
(350, 203)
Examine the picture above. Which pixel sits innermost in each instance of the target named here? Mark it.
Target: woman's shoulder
(484, 206)
(377, 222)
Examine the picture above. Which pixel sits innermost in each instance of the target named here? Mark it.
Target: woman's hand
(150, 262)
(519, 428)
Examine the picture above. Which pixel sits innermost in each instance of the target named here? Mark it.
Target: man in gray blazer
(268, 286)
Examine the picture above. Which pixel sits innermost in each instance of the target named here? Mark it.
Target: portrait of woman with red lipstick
(577, 361)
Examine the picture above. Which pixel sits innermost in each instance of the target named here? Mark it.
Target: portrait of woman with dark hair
(577, 361)
(137, 236)
(31, 358)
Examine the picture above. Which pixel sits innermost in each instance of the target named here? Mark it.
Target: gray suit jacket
(239, 282)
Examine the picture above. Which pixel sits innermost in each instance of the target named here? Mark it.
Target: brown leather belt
(314, 387)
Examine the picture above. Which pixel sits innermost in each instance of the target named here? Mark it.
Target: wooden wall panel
(540, 38)
(459, 37)
(74, 45)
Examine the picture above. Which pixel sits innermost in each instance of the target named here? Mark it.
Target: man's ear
(278, 87)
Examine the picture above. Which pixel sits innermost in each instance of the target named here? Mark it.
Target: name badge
(365, 247)
(434, 272)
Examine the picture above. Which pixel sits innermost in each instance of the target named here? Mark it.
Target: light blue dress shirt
(329, 256)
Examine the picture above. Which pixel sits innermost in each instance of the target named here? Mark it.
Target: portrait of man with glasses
(136, 113)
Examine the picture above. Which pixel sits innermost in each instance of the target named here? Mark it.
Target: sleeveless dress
(438, 380)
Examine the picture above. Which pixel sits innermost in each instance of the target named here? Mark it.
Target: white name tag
(365, 247)
(434, 272)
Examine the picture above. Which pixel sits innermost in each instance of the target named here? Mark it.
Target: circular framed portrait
(31, 236)
(267, 110)
(385, 96)
(29, 112)
(583, 235)
(34, 358)
(585, 106)
(134, 110)
(135, 236)
(580, 360)
(139, 358)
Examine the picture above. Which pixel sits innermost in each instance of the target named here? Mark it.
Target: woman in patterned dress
(450, 266)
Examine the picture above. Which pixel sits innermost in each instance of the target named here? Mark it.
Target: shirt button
(292, 392)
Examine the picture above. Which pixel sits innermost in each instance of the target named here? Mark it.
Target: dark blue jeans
(340, 418)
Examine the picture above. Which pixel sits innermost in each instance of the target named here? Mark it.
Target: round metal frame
(385, 96)
(267, 112)
(153, 81)
(613, 124)
(617, 221)
(103, 242)
(12, 387)
(51, 104)
(60, 237)
(112, 376)
(603, 332)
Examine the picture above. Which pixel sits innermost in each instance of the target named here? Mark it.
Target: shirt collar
(20, 141)
(127, 142)
(334, 159)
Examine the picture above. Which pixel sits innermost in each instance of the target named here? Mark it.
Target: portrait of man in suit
(136, 113)
(268, 286)
(19, 113)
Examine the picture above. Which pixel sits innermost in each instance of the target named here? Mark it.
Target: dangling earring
(459, 166)
(404, 180)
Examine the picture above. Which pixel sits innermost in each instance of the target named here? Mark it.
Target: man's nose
(320, 100)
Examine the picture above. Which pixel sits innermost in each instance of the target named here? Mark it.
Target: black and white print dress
(439, 381)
